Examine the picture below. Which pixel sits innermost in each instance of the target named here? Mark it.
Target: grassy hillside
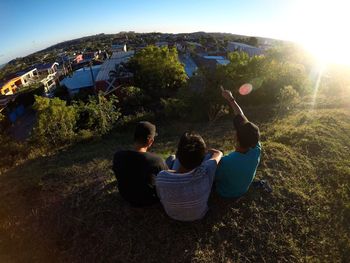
(65, 207)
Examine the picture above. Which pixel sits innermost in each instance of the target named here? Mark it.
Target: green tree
(158, 71)
(133, 99)
(253, 41)
(56, 122)
(99, 114)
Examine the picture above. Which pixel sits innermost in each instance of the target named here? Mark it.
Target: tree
(133, 99)
(98, 115)
(253, 41)
(158, 71)
(56, 122)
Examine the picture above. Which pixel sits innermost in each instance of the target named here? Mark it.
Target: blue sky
(31, 25)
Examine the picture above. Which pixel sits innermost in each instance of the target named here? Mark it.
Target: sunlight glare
(321, 27)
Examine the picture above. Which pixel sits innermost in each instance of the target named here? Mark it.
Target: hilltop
(64, 206)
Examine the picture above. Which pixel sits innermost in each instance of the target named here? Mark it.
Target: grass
(65, 207)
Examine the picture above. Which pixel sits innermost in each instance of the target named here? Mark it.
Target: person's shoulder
(165, 176)
(122, 153)
(257, 147)
(207, 166)
(154, 157)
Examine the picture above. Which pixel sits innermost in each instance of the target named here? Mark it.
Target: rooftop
(241, 45)
(219, 59)
(109, 65)
(81, 78)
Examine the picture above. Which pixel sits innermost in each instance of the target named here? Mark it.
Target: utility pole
(92, 75)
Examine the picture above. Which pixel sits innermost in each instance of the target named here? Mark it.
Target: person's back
(134, 172)
(184, 193)
(237, 170)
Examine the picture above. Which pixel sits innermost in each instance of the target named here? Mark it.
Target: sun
(321, 28)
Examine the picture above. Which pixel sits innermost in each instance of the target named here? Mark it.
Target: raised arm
(232, 102)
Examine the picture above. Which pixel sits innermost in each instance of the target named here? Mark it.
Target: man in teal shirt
(236, 171)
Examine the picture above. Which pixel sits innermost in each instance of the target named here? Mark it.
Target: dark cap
(143, 131)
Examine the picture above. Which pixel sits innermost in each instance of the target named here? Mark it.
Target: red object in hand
(245, 89)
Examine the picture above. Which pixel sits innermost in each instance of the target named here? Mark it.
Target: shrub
(56, 122)
(287, 96)
(11, 151)
(174, 108)
(136, 117)
(61, 92)
(85, 135)
(132, 98)
(98, 114)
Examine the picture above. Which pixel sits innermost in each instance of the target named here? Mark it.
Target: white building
(250, 50)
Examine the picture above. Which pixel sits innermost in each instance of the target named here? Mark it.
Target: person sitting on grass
(135, 169)
(184, 192)
(236, 171)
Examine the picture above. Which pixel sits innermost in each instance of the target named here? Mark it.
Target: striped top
(185, 196)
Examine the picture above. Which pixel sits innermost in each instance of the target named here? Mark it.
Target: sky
(30, 25)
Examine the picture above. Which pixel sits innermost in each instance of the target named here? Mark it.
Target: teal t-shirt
(236, 171)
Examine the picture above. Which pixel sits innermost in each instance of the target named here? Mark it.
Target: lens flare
(245, 89)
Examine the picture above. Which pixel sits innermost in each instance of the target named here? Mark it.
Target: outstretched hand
(226, 94)
(231, 101)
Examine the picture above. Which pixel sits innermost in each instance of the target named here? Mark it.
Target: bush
(288, 96)
(11, 151)
(61, 92)
(56, 122)
(85, 135)
(136, 117)
(98, 114)
(174, 108)
(132, 98)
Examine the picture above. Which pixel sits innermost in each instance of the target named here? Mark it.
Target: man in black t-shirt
(136, 169)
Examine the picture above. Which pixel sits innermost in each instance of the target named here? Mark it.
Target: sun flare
(321, 28)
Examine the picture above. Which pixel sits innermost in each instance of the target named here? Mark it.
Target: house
(118, 48)
(104, 81)
(11, 86)
(83, 78)
(20, 79)
(211, 62)
(219, 60)
(49, 75)
(50, 82)
(88, 56)
(45, 69)
(28, 77)
(79, 58)
(250, 50)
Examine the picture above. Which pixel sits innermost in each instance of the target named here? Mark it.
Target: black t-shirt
(134, 171)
